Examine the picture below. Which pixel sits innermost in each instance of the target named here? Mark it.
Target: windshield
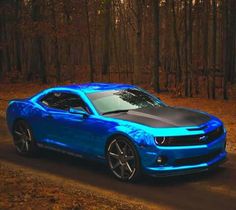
(122, 100)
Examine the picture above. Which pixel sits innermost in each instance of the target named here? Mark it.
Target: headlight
(164, 140)
(160, 140)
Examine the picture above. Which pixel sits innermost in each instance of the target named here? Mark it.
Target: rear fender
(17, 109)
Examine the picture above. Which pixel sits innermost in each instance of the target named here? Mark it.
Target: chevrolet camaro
(122, 125)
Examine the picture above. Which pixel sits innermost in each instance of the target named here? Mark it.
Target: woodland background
(183, 46)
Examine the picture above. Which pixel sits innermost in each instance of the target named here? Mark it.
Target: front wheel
(123, 159)
(23, 139)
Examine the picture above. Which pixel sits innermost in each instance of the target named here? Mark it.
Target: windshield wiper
(115, 111)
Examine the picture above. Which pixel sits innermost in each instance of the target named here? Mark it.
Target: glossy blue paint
(88, 136)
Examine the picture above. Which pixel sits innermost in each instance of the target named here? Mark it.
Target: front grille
(194, 139)
(197, 159)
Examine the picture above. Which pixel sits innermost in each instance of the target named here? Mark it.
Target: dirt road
(212, 190)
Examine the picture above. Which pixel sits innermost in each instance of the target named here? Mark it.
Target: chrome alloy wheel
(22, 137)
(122, 159)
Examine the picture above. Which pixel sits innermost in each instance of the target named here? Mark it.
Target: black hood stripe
(150, 116)
(161, 117)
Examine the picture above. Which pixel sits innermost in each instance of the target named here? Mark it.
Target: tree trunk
(205, 45)
(186, 48)
(107, 28)
(56, 44)
(1, 47)
(232, 31)
(42, 64)
(197, 47)
(190, 62)
(138, 42)
(226, 46)
(18, 35)
(156, 47)
(6, 42)
(177, 48)
(37, 54)
(214, 31)
(89, 43)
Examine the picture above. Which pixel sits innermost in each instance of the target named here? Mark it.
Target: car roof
(96, 87)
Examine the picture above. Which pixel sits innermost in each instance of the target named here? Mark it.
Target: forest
(182, 51)
(182, 46)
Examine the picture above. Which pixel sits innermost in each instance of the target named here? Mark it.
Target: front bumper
(180, 158)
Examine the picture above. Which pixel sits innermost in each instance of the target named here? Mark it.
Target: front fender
(138, 136)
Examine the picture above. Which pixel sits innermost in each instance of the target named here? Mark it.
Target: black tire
(23, 139)
(123, 159)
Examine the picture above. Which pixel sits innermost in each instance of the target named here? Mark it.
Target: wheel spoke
(28, 135)
(21, 128)
(128, 158)
(122, 172)
(26, 145)
(118, 148)
(129, 168)
(125, 149)
(116, 156)
(116, 165)
(18, 133)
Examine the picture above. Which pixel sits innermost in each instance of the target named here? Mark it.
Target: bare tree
(190, 62)
(186, 41)
(1, 43)
(56, 44)
(5, 37)
(225, 6)
(156, 46)
(138, 13)
(214, 31)
(107, 28)
(89, 42)
(37, 54)
(205, 44)
(177, 44)
(18, 34)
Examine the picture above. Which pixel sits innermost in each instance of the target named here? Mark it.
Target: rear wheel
(23, 139)
(123, 159)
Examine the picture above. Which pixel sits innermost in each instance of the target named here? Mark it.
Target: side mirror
(78, 110)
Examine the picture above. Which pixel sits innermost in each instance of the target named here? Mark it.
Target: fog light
(161, 160)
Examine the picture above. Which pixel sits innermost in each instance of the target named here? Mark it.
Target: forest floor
(24, 188)
(225, 110)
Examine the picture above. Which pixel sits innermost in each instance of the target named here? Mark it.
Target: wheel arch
(17, 119)
(138, 163)
(112, 137)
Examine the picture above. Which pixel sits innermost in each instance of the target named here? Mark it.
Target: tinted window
(126, 99)
(63, 101)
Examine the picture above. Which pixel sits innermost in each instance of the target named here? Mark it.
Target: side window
(63, 101)
(50, 99)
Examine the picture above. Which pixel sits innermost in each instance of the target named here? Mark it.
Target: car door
(63, 129)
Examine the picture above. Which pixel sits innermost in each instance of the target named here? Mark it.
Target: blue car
(122, 125)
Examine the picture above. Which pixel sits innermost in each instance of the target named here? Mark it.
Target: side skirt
(59, 150)
(100, 158)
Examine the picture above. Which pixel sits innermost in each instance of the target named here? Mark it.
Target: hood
(161, 117)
